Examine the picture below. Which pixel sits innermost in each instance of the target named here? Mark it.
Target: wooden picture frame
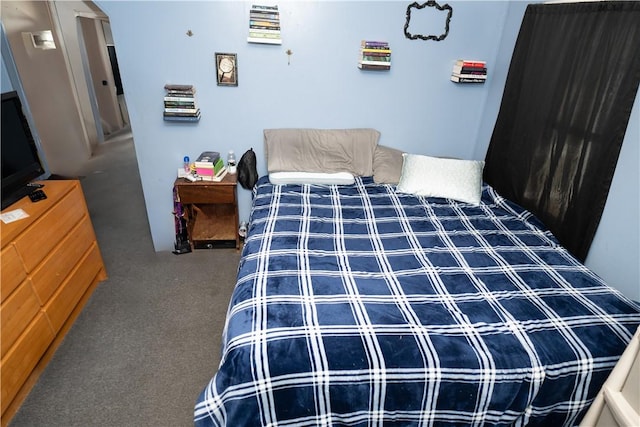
(227, 69)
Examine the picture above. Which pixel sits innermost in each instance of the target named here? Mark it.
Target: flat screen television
(20, 158)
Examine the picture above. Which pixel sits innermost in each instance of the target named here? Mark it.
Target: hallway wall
(54, 81)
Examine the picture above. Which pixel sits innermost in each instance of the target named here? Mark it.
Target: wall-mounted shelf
(264, 25)
(374, 55)
(180, 104)
(469, 71)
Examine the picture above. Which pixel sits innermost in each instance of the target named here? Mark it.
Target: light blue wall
(5, 82)
(414, 105)
(615, 251)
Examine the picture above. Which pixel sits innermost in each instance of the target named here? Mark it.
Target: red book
(471, 63)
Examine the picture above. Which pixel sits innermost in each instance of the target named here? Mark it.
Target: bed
(359, 304)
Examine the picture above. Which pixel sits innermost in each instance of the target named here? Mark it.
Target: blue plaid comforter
(359, 306)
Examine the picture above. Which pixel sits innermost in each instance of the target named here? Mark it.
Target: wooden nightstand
(211, 211)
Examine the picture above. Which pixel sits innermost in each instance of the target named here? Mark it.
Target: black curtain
(569, 92)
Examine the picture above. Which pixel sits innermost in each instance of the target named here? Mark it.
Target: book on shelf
(458, 79)
(376, 58)
(179, 94)
(171, 118)
(469, 70)
(180, 104)
(374, 55)
(264, 25)
(377, 54)
(374, 67)
(470, 76)
(367, 44)
(182, 110)
(267, 25)
(261, 28)
(181, 98)
(374, 51)
(376, 63)
(185, 117)
(180, 88)
(471, 63)
(264, 40)
(260, 15)
(264, 31)
(264, 36)
(264, 7)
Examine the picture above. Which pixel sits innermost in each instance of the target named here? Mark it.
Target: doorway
(102, 75)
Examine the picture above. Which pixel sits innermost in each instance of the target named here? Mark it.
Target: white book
(264, 40)
(216, 178)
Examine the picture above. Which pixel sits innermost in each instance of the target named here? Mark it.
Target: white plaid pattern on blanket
(359, 306)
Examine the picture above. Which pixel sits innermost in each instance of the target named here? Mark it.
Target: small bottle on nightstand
(231, 162)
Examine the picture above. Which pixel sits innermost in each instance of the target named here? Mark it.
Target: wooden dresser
(50, 265)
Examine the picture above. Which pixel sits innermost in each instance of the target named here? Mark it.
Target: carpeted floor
(148, 340)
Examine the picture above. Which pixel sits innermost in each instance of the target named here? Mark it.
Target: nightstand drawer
(207, 194)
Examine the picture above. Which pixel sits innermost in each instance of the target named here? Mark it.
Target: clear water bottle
(187, 164)
(231, 162)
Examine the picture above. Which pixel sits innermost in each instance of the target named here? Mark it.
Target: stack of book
(180, 103)
(264, 25)
(469, 71)
(209, 166)
(374, 55)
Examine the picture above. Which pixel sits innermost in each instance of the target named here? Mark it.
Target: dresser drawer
(16, 312)
(43, 235)
(203, 193)
(56, 266)
(62, 303)
(17, 365)
(12, 271)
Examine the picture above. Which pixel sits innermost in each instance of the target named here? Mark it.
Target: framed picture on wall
(227, 69)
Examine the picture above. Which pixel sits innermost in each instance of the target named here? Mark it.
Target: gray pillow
(321, 150)
(387, 165)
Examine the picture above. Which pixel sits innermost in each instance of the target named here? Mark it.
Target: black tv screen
(20, 159)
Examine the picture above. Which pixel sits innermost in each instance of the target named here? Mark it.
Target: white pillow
(335, 178)
(455, 179)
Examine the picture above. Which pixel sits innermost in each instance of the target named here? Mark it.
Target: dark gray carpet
(148, 340)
